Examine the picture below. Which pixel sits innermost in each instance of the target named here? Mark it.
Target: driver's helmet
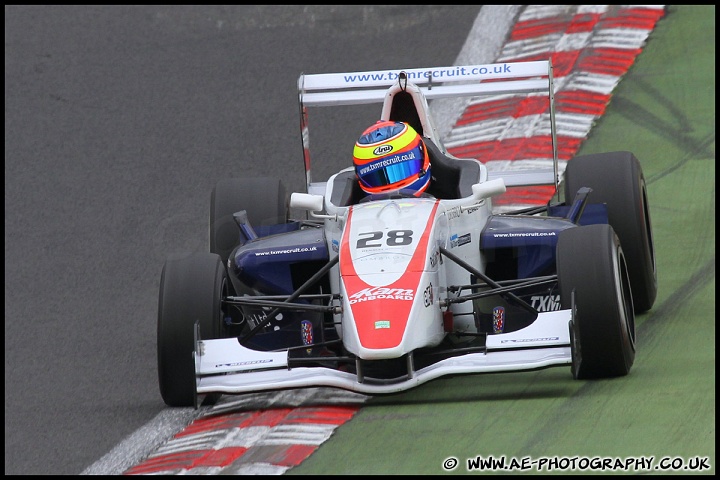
(390, 156)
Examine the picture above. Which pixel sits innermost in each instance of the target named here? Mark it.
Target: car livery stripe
(393, 307)
(591, 48)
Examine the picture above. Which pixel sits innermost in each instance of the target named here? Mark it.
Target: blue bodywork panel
(532, 239)
(594, 213)
(264, 264)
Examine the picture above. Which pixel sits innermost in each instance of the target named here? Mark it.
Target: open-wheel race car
(381, 293)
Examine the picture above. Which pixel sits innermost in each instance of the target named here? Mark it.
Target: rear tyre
(264, 199)
(591, 265)
(617, 180)
(191, 290)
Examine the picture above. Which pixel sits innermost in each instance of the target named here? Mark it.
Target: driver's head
(390, 156)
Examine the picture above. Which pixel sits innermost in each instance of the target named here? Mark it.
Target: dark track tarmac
(118, 122)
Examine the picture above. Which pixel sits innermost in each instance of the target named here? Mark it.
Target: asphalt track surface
(119, 120)
(118, 123)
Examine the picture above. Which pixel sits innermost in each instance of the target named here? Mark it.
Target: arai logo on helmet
(383, 150)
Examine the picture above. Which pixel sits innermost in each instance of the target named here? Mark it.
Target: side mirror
(310, 202)
(484, 190)
(490, 188)
(307, 201)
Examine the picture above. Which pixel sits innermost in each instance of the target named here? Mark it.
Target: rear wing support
(359, 88)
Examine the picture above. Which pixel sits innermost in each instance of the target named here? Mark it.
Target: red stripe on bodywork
(397, 312)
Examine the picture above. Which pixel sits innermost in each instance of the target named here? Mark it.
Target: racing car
(378, 294)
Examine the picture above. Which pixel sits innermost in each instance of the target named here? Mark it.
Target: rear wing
(356, 88)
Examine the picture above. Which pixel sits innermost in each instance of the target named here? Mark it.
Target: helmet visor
(392, 169)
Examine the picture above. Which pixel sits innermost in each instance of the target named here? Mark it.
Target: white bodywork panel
(226, 366)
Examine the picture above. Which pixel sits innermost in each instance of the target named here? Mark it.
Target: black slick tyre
(616, 179)
(591, 268)
(191, 290)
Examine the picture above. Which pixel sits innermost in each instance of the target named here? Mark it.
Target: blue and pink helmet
(390, 156)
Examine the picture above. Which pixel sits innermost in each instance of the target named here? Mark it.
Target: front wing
(225, 366)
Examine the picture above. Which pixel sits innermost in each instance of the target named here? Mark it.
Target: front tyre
(191, 289)
(591, 264)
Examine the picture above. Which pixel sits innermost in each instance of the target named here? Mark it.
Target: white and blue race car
(379, 294)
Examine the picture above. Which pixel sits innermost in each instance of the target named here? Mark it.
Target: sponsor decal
(383, 149)
(487, 71)
(524, 234)
(285, 251)
(239, 364)
(434, 259)
(428, 295)
(545, 303)
(306, 330)
(453, 213)
(382, 257)
(382, 324)
(531, 340)
(498, 319)
(456, 241)
(254, 319)
(376, 293)
(335, 246)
